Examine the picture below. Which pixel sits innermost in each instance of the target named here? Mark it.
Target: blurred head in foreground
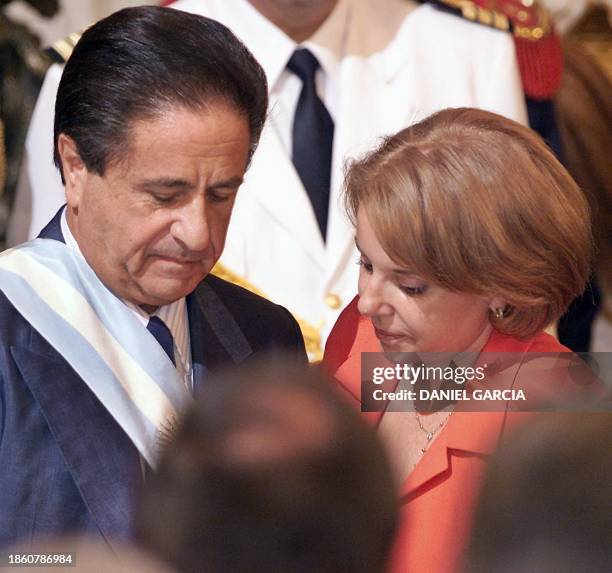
(465, 219)
(271, 471)
(546, 505)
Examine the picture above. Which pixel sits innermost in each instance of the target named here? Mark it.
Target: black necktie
(162, 334)
(313, 133)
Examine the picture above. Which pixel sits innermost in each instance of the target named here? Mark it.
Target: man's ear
(73, 169)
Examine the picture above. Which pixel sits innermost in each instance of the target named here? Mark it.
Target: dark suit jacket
(65, 464)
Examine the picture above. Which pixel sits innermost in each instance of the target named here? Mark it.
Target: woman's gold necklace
(429, 434)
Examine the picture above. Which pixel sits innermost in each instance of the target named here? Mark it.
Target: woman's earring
(498, 313)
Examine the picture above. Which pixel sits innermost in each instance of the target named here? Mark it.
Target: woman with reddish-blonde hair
(472, 238)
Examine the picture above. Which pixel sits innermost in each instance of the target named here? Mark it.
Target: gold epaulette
(61, 50)
(311, 334)
(530, 19)
(527, 19)
(473, 12)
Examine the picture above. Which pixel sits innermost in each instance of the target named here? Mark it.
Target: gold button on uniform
(332, 300)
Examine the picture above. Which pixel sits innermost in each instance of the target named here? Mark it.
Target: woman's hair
(475, 202)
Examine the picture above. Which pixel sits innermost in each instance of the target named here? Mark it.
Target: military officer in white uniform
(382, 65)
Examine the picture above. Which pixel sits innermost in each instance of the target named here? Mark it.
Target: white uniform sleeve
(40, 192)
(503, 92)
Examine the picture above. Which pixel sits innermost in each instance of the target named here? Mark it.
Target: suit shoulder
(234, 295)
(311, 334)
(253, 312)
(265, 324)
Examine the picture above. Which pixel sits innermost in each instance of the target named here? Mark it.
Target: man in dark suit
(110, 320)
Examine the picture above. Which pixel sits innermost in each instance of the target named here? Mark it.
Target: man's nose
(192, 227)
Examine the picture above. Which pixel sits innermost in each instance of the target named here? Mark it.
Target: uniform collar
(273, 48)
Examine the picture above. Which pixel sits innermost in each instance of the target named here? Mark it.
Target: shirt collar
(273, 48)
(329, 41)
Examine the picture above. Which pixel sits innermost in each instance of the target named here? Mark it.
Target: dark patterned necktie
(162, 334)
(313, 134)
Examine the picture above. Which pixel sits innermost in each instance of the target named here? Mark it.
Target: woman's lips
(386, 336)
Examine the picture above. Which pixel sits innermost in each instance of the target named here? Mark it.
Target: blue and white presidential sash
(59, 294)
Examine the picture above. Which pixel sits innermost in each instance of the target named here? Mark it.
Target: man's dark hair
(271, 471)
(138, 62)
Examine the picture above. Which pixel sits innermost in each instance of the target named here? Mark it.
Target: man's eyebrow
(232, 183)
(176, 183)
(163, 183)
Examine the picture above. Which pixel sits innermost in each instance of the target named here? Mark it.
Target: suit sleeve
(293, 337)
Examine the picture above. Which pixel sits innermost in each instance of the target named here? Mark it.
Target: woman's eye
(413, 290)
(367, 267)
